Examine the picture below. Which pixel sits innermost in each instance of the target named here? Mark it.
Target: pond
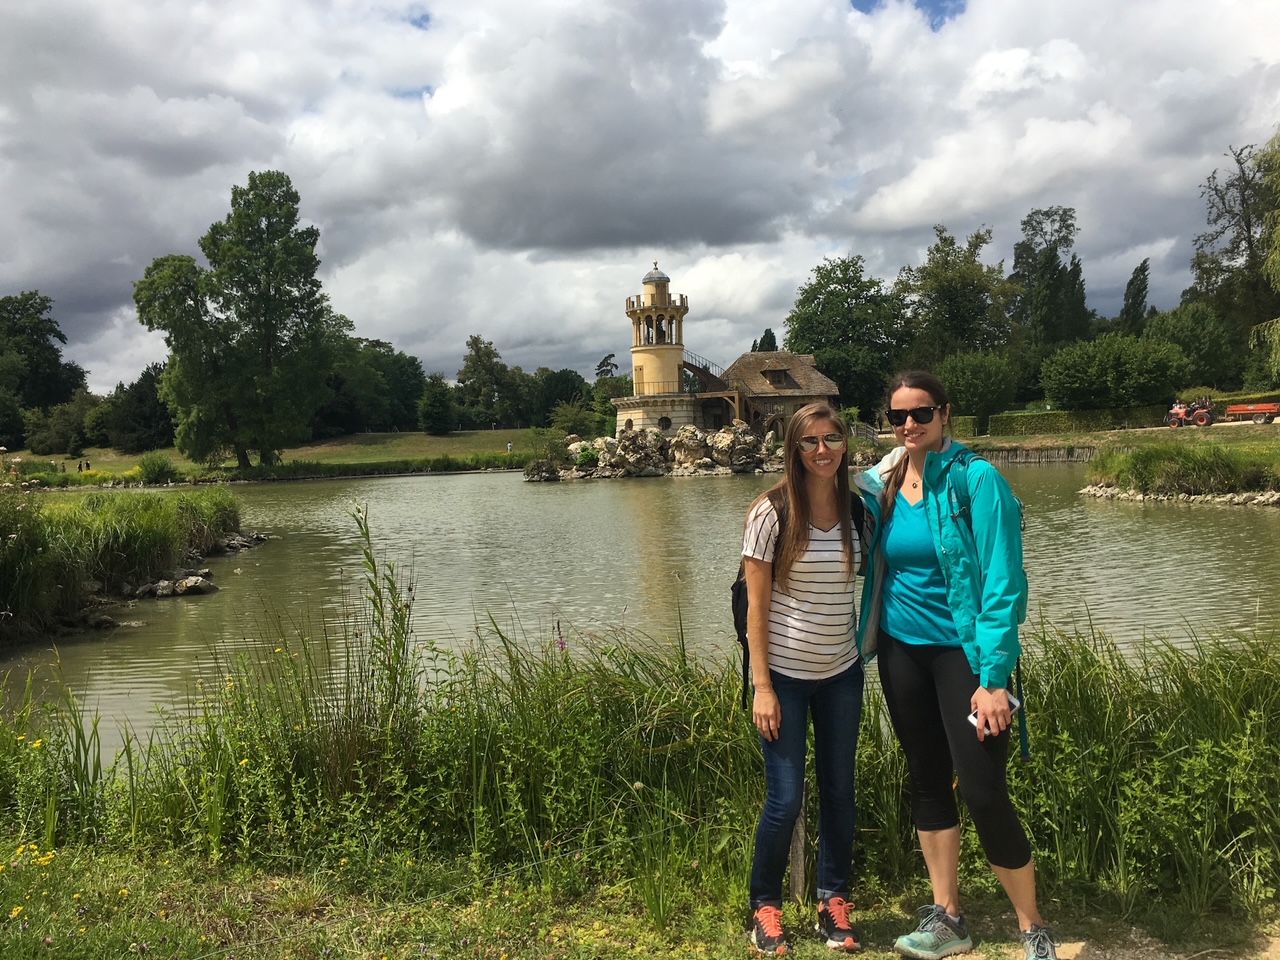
(650, 555)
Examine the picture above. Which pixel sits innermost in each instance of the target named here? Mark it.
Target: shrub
(980, 384)
(157, 468)
(1113, 371)
(1074, 421)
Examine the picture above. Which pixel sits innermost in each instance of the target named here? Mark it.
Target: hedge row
(964, 426)
(1073, 421)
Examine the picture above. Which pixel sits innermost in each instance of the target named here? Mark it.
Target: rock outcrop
(648, 453)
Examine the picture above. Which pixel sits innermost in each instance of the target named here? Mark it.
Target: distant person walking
(800, 551)
(941, 607)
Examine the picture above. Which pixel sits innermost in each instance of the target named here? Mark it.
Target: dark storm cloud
(512, 168)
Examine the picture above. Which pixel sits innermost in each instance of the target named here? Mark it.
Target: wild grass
(613, 769)
(1175, 468)
(50, 548)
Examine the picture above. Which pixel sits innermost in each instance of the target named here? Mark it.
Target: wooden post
(799, 849)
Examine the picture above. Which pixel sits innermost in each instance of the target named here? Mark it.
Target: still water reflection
(650, 555)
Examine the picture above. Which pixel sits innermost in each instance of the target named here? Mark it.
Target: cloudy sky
(513, 167)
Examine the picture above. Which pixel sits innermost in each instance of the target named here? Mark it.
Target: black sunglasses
(920, 415)
(834, 441)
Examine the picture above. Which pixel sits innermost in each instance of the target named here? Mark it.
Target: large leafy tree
(550, 388)
(1195, 330)
(1229, 265)
(135, 418)
(251, 338)
(955, 302)
(489, 392)
(31, 364)
(375, 387)
(60, 429)
(1266, 335)
(852, 325)
(436, 414)
(979, 384)
(359, 399)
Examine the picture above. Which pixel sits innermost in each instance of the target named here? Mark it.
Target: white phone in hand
(1014, 704)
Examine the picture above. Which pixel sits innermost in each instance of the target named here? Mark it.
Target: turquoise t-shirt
(915, 594)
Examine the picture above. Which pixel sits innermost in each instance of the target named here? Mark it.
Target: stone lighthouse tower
(657, 336)
(660, 401)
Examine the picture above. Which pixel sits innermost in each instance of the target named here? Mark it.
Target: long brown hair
(912, 380)
(791, 495)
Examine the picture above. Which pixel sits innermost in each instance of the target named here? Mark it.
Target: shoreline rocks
(182, 581)
(649, 453)
(1260, 498)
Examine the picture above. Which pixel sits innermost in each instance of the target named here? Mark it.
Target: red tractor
(1183, 414)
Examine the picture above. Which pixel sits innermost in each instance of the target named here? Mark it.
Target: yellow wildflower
(14, 913)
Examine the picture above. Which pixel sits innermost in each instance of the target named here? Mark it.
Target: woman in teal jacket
(940, 611)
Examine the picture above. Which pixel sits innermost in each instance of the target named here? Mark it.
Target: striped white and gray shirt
(813, 627)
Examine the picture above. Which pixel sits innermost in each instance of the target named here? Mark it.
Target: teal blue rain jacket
(980, 557)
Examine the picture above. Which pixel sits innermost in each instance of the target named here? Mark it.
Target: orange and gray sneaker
(767, 935)
(833, 925)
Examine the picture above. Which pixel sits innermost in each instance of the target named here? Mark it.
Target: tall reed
(51, 546)
(588, 758)
(1178, 468)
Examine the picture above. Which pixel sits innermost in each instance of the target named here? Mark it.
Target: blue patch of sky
(421, 21)
(412, 93)
(938, 11)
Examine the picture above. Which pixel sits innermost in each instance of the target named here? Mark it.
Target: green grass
(595, 795)
(1173, 467)
(385, 453)
(50, 547)
(352, 449)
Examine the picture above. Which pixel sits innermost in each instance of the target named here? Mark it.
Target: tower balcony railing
(678, 301)
(652, 388)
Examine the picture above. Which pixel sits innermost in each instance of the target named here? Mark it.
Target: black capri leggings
(927, 689)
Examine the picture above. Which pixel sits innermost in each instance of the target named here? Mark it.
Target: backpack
(961, 486)
(738, 592)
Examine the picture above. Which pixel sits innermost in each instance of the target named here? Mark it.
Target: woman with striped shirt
(800, 552)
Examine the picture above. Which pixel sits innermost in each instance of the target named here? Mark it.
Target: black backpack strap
(740, 598)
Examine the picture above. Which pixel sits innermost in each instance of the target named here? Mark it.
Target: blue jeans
(836, 706)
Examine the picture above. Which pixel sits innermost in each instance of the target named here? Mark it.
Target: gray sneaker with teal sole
(1039, 943)
(936, 936)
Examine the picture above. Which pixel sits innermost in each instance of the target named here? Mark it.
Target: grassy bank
(376, 454)
(52, 547)
(360, 454)
(575, 796)
(1174, 467)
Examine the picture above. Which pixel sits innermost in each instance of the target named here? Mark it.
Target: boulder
(688, 446)
(541, 471)
(193, 586)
